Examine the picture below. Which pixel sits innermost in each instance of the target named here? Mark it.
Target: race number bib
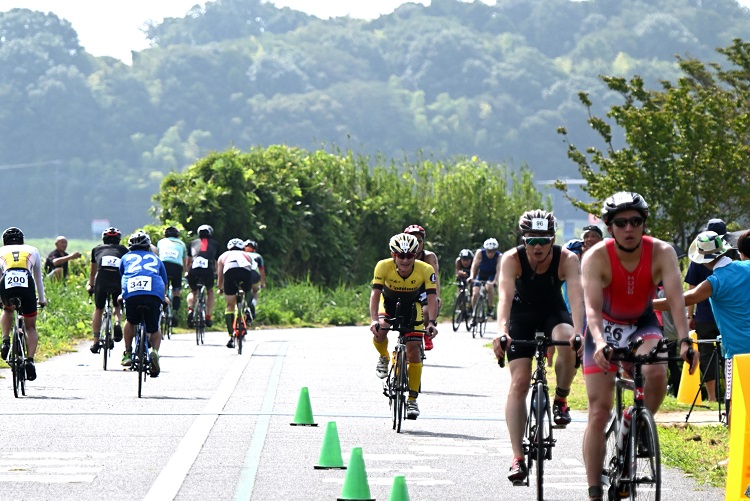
(200, 262)
(16, 278)
(170, 254)
(140, 283)
(618, 334)
(111, 262)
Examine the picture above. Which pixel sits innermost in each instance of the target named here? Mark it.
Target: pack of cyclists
(609, 289)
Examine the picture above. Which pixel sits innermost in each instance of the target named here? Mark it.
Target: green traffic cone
(304, 416)
(330, 454)
(356, 487)
(399, 492)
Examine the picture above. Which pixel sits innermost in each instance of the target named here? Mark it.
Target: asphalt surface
(216, 426)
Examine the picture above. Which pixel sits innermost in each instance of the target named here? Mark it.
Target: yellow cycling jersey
(395, 287)
(16, 259)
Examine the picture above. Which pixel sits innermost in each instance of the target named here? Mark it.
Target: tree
(688, 146)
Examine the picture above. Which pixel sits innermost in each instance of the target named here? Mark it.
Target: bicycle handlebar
(628, 353)
(544, 343)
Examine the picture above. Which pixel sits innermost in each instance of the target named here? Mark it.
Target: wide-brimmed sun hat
(706, 247)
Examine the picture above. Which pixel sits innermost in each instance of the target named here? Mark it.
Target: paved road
(215, 426)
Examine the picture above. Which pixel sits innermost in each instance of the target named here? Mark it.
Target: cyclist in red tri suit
(619, 281)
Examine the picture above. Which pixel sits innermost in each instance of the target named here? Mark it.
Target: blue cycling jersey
(142, 274)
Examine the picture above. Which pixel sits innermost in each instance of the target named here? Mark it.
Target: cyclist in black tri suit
(104, 280)
(204, 251)
(531, 276)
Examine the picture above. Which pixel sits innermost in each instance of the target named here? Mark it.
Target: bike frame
(538, 438)
(396, 386)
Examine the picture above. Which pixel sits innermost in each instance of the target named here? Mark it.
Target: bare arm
(572, 276)
(694, 296)
(220, 273)
(374, 307)
(509, 270)
(593, 282)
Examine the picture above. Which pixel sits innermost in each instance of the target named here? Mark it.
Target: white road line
(252, 458)
(48, 479)
(171, 478)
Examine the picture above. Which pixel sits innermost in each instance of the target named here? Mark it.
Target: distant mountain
(85, 138)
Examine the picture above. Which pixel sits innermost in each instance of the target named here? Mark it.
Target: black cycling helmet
(171, 231)
(139, 240)
(622, 201)
(205, 231)
(466, 254)
(111, 235)
(538, 221)
(12, 235)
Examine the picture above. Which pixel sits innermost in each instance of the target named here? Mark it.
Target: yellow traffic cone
(356, 487)
(399, 491)
(304, 416)
(690, 384)
(330, 454)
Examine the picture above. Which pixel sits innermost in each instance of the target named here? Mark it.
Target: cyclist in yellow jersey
(402, 279)
(21, 271)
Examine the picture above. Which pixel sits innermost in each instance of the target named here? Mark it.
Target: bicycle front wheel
(645, 474)
(542, 405)
(458, 306)
(402, 387)
(480, 316)
(612, 469)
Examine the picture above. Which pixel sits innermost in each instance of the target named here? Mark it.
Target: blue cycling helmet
(575, 245)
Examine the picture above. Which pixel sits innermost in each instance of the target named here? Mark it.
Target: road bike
(242, 319)
(479, 316)
(108, 342)
(140, 360)
(462, 306)
(632, 464)
(396, 386)
(538, 438)
(166, 317)
(17, 355)
(199, 315)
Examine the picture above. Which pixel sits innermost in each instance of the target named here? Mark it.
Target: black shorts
(174, 274)
(26, 294)
(106, 283)
(152, 316)
(239, 276)
(200, 275)
(523, 326)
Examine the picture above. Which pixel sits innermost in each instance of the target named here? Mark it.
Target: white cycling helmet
(490, 244)
(236, 244)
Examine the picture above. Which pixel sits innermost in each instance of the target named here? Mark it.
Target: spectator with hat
(701, 317)
(591, 236)
(726, 288)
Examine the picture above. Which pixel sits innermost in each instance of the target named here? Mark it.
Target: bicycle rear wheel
(645, 476)
(107, 338)
(141, 358)
(17, 365)
(458, 308)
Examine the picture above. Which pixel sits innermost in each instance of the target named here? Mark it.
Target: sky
(107, 28)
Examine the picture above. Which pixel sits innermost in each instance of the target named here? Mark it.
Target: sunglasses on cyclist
(622, 222)
(405, 255)
(537, 240)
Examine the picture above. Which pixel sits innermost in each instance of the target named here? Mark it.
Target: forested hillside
(84, 138)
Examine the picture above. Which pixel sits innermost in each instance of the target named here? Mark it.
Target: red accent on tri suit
(633, 290)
